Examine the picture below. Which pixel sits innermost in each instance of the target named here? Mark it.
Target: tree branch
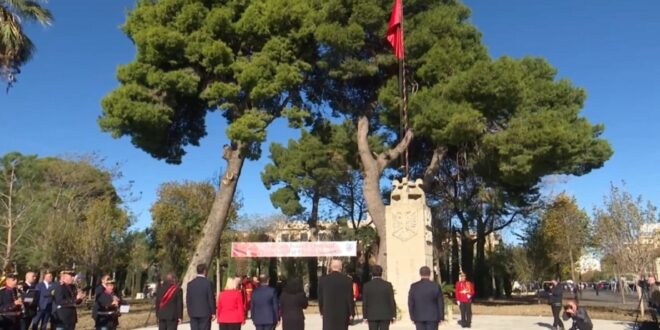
(433, 167)
(387, 157)
(508, 222)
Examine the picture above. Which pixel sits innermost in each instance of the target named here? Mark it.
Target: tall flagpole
(395, 38)
(404, 101)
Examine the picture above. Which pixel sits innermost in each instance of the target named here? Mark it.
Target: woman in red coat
(231, 309)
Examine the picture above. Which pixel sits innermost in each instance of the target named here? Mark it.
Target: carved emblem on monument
(405, 224)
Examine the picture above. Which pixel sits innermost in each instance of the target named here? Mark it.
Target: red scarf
(167, 296)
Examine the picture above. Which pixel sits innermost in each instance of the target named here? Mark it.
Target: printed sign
(293, 249)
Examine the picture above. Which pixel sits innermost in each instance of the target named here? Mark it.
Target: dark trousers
(26, 323)
(379, 325)
(466, 314)
(200, 323)
(264, 326)
(10, 325)
(230, 326)
(40, 321)
(556, 314)
(167, 324)
(427, 325)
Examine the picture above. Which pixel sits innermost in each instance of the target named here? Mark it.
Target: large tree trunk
(639, 299)
(312, 263)
(481, 284)
(467, 256)
(575, 282)
(620, 286)
(373, 166)
(217, 219)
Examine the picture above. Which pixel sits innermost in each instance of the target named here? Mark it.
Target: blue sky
(608, 47)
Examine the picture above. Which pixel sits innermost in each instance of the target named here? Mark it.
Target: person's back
(196, 302)
(231, 309)
(426, 302)
(169, 304)
(336, 298)
(199, 300)
(264, 305)
(378, 306)
(292, 302)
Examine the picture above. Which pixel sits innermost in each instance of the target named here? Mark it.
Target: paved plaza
(485, 322)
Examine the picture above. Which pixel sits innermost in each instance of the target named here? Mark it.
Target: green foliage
(75, 206)
(306, 169)
(16, 48)
(178, 216)
(246, 59)
(519, 122)
(559, 239)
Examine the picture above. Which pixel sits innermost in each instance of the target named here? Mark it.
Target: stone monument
(409, 239)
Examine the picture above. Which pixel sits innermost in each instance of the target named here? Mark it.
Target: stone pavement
(480, 322)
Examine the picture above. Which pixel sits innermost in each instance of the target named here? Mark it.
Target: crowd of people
(51, 304)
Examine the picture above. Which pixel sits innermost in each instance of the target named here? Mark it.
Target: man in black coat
(426, 303)
(30, 300)
(169, 304)
(200, 301)
(105, 311)
(555, 296)
(65, 302)
(336, 298)
(378, 306)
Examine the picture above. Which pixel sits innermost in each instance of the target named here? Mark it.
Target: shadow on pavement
(544, 325)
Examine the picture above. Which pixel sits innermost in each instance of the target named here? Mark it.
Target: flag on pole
(395, 29)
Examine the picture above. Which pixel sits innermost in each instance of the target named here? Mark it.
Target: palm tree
(15, 47)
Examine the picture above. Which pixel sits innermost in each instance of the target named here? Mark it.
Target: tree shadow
(645, 325)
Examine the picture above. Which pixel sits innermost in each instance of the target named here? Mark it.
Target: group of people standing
(32, 305)
(268, 308)
(230, 309)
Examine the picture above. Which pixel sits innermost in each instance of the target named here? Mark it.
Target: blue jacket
(45, 296)
(199, 298)
(425, 302)
(264, 306)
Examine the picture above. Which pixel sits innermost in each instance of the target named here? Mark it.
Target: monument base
(409, 239)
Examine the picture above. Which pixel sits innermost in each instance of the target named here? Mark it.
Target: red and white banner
(293, 249)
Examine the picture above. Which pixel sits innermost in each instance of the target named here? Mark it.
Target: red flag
(395, 29)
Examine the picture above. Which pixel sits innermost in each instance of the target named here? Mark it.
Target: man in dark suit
(336, 298)
(426, 304)
(200, 301)
(378, 306)
(264, 306)
(30, 302)
(169, 304)
(44, 301)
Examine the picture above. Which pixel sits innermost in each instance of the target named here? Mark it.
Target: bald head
(30, 277)
(335, 265)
